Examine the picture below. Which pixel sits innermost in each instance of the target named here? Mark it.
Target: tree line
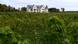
(5, 8)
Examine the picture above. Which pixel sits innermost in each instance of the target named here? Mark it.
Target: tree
(23, 9)
(5, 8)
(11, 8)
(53, 10)
(63, 9)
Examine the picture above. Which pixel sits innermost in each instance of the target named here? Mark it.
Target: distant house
(37, 8)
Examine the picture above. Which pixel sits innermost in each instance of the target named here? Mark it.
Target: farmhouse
(37, 8)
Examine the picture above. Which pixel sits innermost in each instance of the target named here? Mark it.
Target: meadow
(38, 28)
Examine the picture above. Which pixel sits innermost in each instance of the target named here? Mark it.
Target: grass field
(38, 28)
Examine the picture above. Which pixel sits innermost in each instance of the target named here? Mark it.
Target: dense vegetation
(38, 28)
(6, 8)
(54, 10)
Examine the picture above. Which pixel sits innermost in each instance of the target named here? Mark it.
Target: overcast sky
(67, 4)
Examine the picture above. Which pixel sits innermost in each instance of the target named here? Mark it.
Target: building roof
(38, 6)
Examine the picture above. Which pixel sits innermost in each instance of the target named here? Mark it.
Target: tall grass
(38, 28)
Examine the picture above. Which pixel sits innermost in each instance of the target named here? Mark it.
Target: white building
(37, 8)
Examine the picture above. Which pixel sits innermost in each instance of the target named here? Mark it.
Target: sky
(69, 5)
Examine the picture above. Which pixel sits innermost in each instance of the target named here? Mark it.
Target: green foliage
(5, 8)
(55, 31)
(7, 35)
(53, 10)
(38, 28)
